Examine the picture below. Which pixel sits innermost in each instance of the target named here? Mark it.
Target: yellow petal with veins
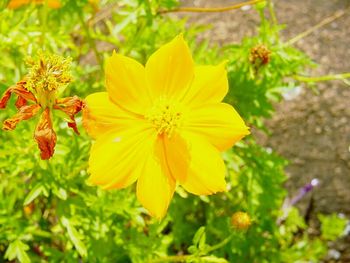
(196, 164)
(100, 115)
(219, 123)
(117, 157)
(155, 187)
(170, 70)
(126, 83)
(210, 85)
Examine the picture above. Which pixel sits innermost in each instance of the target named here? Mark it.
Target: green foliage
(332, 226)
(48, 213)
(255, 86)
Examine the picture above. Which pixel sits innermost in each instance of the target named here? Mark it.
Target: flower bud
(259, 55)
(241, 220)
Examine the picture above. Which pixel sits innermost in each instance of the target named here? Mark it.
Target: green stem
(272, 12)
(43, 21)
(342, 76)
(221, 244)
(91, 41)
(140, 28)
(183, 258)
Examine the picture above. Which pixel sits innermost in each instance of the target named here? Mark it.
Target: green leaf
(213, 259)
(200, 234)
(17, 249)
(60, 193)
(74, 236)
(34, 193)
(332, 226)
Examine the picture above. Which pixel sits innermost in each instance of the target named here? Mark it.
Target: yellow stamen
(165, 116)
(46, 75)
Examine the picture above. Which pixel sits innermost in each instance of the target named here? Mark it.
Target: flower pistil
(165, 116)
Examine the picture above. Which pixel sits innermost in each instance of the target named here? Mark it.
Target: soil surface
(312, 130)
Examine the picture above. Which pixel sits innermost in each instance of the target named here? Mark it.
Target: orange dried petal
(71, 106)
(23, 94)
(20, 102)
(45, 136)
(14, 4)
(24, 113)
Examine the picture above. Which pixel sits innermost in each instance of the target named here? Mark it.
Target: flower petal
(126, 83)
(45, 136)
(24, 113)
(54, 4)
(22, 93)
(71, 106)
(195, 163)
(117, 157)
(170, 69)
(155, 186)
(14, 4)
(210, 85)
(100, 115)
(219, 123)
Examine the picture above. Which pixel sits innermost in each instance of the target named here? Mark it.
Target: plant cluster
(49, 213)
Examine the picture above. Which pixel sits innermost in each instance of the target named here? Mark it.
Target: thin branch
(343, 77)
(221, 244)
(324, 22)
(209, 9)
(272, 12)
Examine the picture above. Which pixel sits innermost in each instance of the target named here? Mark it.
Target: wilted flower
(37, 92)
(14, 4)
(161, 124)
(241, 220)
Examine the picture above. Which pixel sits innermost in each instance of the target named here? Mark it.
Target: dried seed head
(259, 55)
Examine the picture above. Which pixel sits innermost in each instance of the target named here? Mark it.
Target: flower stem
(272, 12)
(183, 258)
(91, 41)
(221, 244)
(43, 20)
(342, 77)
(210, 9)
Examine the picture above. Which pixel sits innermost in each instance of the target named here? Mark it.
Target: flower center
(165, 116)
(47, 74)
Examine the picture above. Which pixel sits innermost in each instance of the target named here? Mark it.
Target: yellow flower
(161, 124)
(14, 4)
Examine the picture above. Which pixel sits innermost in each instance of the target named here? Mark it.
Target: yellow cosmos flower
(14, 4)
(161, 124)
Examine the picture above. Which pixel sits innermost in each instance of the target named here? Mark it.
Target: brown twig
(324, 22)
(209, 9)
